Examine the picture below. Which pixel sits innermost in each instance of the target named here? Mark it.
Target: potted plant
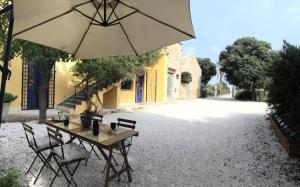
(86, 118)
(7, 99)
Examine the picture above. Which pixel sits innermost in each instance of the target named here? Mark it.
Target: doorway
(170, 85)
(139, 89)
(31, 77)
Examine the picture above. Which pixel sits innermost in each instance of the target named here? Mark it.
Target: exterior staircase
(70, 104)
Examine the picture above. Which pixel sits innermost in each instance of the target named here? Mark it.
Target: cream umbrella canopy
(98, 28)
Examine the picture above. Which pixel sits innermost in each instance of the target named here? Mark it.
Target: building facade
(177, 63)
(160, 81)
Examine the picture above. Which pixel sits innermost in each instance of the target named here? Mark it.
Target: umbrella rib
(87, 16)
(128, 40)
(119, 19)
(83, 37)
(98, 9)
(113, 10)
(51, 19)
(127, 37)
(157, 20)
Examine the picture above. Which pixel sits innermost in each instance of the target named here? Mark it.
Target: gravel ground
(210, 142)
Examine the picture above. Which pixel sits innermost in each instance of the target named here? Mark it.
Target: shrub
(207, 90)
(244, 95)
(8, 98)
(10, 178)
(186, 77)
(261, 95)
(222, 88)
(284, 94)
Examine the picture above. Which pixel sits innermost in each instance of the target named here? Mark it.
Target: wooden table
(105, 140)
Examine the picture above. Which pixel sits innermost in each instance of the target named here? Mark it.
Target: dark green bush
(207, 90)
(8, 98)
(261, 95)
(284, 94)
(186, 77)
(244, 95)
(10, 178)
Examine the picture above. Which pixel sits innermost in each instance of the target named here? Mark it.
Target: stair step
(77, 97)
(68, 105)
(74, 101)
(64, 109)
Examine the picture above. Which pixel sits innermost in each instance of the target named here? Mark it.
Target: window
(126, 85)
(177, 76)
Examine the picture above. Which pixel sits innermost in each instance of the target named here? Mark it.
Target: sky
(218, 23)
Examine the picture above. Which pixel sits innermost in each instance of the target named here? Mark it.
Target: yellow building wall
(160, 71)
(110, 98)
(128, 96)
(156, 74)
(14, 85)
(64, 85)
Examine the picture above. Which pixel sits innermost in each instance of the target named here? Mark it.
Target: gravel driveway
(205, 142)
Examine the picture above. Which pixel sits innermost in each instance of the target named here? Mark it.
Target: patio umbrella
(98, 28)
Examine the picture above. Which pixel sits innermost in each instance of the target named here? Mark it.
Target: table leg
(106, 158)
(108, 167)
(126, 160)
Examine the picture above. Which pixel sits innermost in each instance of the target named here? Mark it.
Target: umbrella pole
(4, 69)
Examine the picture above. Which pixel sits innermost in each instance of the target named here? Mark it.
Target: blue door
(139, 89)
(33, 87)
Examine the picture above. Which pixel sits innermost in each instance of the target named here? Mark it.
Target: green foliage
(207, 91)
(15, 47)
(109, 71)
(246, 63)
(186, 77)
(244, 95)
(261, 95)
(10, 178)
(284, 94)
(222, 88)
(45, 57)
(8, 98)
(208, 69)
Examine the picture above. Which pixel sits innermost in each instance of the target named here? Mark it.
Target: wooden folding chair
(66, 154)
(39, 146)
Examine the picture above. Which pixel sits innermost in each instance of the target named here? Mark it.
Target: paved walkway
(205, 142)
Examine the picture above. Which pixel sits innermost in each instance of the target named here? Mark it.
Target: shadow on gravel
(174, 152)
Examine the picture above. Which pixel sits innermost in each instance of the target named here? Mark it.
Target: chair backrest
(126, 123)
(56, 136)
(29, 133)
(98, 117)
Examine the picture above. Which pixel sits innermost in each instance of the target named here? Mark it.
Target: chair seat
(126, 143)
(72, 152)
(43, 143)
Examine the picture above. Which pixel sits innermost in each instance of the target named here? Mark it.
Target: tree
(284, 93)
(246, 63)
(15, 47)
(186, 77)
(95, 75)
(208, 69)
(44, 57)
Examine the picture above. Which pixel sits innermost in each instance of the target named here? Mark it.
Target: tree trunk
(43, 102)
